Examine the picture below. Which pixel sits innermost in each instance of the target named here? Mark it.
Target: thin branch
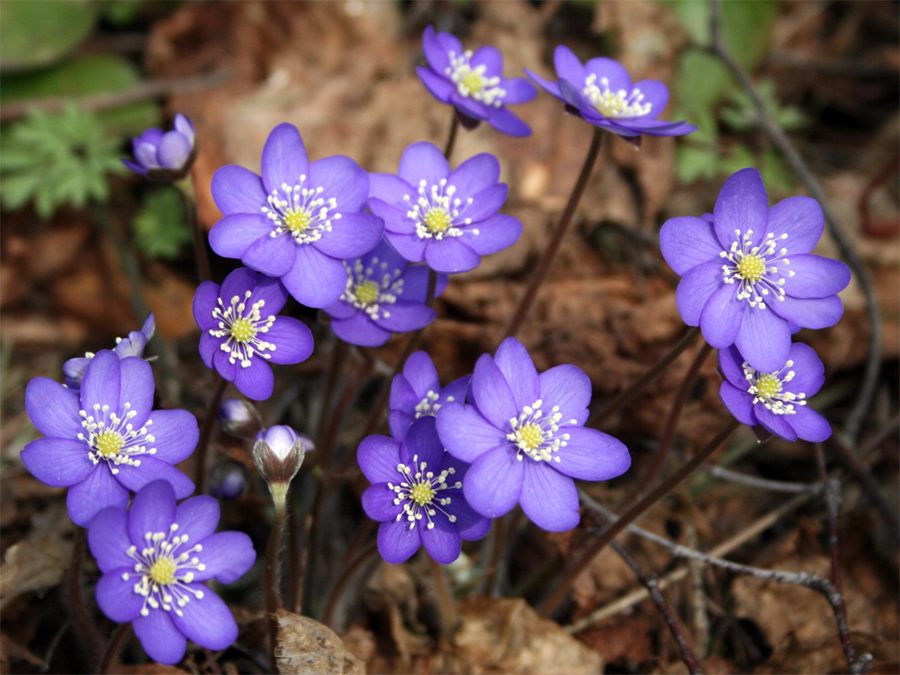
(761, 483)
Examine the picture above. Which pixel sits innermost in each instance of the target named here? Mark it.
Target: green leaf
(738, 157)
(703, 82)
(693, 162)
(35, 34)
(160, 228)
(776, 174)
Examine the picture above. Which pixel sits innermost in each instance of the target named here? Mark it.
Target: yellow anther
(366, 292)
(530, 435)
(422, 493)
(109, 443)
(243, 330)
(768, 386)
(751, 267)
(163, 571)
(297, 221)
(473, 81)
(437, 220)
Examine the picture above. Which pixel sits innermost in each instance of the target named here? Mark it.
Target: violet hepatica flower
(776, 400)
(523, 434)
(416, 392)
(473, 82)
(105, 441)
(299, 221)
(242, 334)
(601, 92)
(133, 345)
(383, 295)
(416, 495)
(749, 278)
(155, 558)
(165, 155)
(445, 218)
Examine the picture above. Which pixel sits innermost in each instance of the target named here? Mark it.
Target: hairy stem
(451, 137)
(206, 435)
(81, 615)
(111, 655)
(272, 570)
(186, 188)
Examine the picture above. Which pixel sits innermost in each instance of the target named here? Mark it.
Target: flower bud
(278, 453)
(239, 418)
(227, 480)
(165, 156)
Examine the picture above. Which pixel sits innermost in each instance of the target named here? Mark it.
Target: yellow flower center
(752, 267)
(163, 571)
(531, 435)
(297, 221)
(109, 443)
(473, 81)
(768, 386)
(243, 330)
(422, 493)
(437, 220)
(366, 292)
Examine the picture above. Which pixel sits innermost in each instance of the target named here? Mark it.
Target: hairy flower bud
(239, 418)
(278, 453)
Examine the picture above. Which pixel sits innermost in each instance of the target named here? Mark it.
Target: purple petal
(360, 330)
(809, 371)
(152, 510)
(518, 90)
(227, 369)
(235, 233)
(423, 161)
(610, 69)
(257, 381)
(198, 517)
(352, 235)
(415, 284)
(435, 53)
(450, 43)
(568, 66)
(695, 289)
(518, 369)
(391, 189)
(237, 190)
(378, 457)
(152, 136)
(450, 256)
(466, 434)
(442, 541)
(493, 483)
(421, 374)
(456, 390)
(151, 469)
(720, 320)
(159, 637)
(395, 220)
(738, 402)
(814, 276)
(397, 541)
(284, 158)
(742, 205)
(378, 502)
(205, 301)
(102, 382)
(145, 154)
(568, 387)
(399, 423)
(655, 93)
(801, 219)
(342, 179)
(116, 596)
(686, 242)
(491, 58)
(591, 455)
(176, 434)
(227, 556)
(808, 424)
(764, 340)
(810, 313)
(732, 365)
(58, 462)
(340, 310)
(422, 442)
(774, 423)
(506, 122)
(95, 493)
(410, 246)
(108, 540)
(492, 394)
(273, 256)
(315, 280)
(407, 316)
(494, 234)
(174, 150)
(238, 283)
(572, 95)
(292, 339)
(184, 125)
(475, 175)
(486, 203)
(436, 85)
(549, 498)
(137, 388)
(471, 525)
(207, 621)
(469, 107)
(270, 290)
(547, 85)
(52, 408)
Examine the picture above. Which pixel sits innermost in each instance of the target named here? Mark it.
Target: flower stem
(338, 358)
(631, 515)
(111, 655)
(451, 138)
(651, 374)
(272, 582)
(84, 622)
(446, 602)
(537, 278)
(206, 435)
(186, 187)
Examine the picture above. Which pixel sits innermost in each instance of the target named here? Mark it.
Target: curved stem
(342, 582)
(272, 581)
(186, 188)
(111, 656)
(84, 622)
(631, 515)
(451, 138)
(537, 278)
(651, 374)
(206, 435)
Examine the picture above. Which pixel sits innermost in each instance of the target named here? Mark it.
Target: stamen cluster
(302, 212)
(473, 82)
(534, 435)
(436, 211)
(768, 389)
(113, 439)
(751, 267)
(418, 492)
(615, 104)
(241, 330)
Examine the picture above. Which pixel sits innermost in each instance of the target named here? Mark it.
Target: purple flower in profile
(155, 558)
(523, 434)
(445, 218)
(165, 155)
(299, 221)
(416, 496)
(776, 400)
(104, 441)
(242, 334)
(473, 83)
(416, 392)
(601, 92)
(383, 295)
(133, 345)
(748, 277)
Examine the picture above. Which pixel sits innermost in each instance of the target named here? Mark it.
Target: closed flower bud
(227, 480)
(165, 156)
(278, 453)
(239, 418)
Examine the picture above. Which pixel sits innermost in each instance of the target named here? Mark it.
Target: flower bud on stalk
(278, 453)
(240, 418)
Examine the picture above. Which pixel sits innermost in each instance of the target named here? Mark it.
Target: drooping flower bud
(165, 156)
(278, 453)
(227, 480)
(239, 418)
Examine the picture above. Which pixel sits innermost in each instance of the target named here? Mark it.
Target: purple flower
(155, 558)
(103, 441)
(242, 335)
(416, 495)
(776, 400)
(445, 218)
(523, 434)
(748, 277)
(601, 92)
(416, 392)
(133, 345)
(473, 83)
(299, 221)
(163, 155)
(383, 294)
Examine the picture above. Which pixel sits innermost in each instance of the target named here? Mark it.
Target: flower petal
(422, 442)
(292, 339)
(378, 503)
(102, 382)
(237, 190)
(486, 203)
(475, 175)
(352, 235)
(410, 246)
(494, 233)
(491, 58)
(378, 457)
(152, 510)
(284, 158)
(159, 637)
(695, 289)
(774, 423)
(151, 469)
(466, 433)
(58, 462)
(273, 256)
(52, 408)
(423, 161)
(492, 394)
(174, 150)
(764, 340)
(809, 425)
(814, 276)
(549, 86)
(407, 316)
(207, 621)
(809, 371)
(435, 53)
(450, 256)
(137, 389)
(390, 189)
(397, 541)
(176, 434)
(256, 381)
(568, 387)
(506, 122)
(442, 541)
(568, 66)
(225, 367)
(235, 233)
(738, 402)
(315, 280)
(421, 374)
(549, 498)
(518, 90)
(95, 493)
(108, 540)
(493, 483)
(227, 556)
(722, 315)
(436, 85)
(205, 301)
(116, 596)
(399, 422)
(801, 218)
(742, 205)
(656, 94)
(810, 312)
(591, 455)
(198, 517)
(471, 525)
(731, 364)
(518, 369)
(360, 330)
(686, 242)
(342, 179)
